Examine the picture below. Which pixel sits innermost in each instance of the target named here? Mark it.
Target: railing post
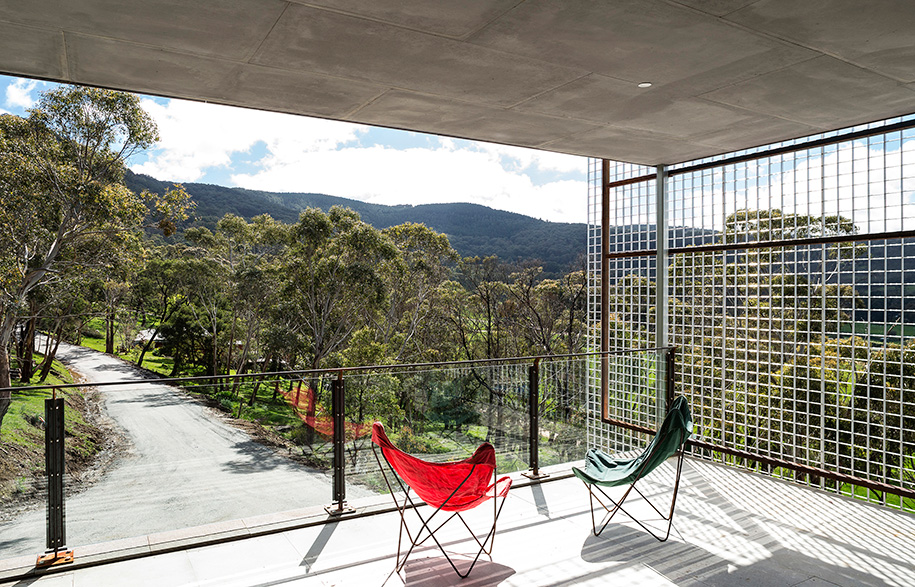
(671, 375)
(54, 466)
(338, 397)
(661, 280)
(533, 388)
(605, 286)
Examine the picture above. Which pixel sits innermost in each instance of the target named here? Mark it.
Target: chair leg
(488, 539)
(618, 506)
(425, 524)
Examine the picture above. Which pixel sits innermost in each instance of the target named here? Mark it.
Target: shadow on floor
(687, 564)
(436, 572)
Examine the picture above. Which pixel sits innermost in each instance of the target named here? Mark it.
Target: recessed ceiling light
(645, 85)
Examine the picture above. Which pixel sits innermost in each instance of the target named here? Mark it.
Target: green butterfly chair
(602, 470)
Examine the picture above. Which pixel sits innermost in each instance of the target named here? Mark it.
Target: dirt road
(183, 467)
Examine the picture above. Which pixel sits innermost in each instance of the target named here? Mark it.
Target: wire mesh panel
(562, 394)
(440, 414)
(791, 290)
(631, 294)
(797, 351)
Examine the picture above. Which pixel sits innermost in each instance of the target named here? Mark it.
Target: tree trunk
(257, 384)
(6, 394)
(26, 351)
(311, 411)
(109, 332)
(49, 360)
(52, 352)
(148, 344)
(231, 353)
(217, 384)
(6, 333)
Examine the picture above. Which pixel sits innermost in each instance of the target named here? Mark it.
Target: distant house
(144, 335)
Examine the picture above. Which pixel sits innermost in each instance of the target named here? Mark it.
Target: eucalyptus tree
(333, 282)
(66, 307)
(209, 301)
(160, 290)
(61, 173)
(424, 262)
(477, 311)
(333, 278)
(549, 313)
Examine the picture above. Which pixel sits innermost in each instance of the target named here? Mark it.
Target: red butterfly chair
(452, 487)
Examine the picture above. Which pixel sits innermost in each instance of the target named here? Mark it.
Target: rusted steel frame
(778, 463)
(824, 142)
(782, 243)
(624, 182)
(605, 284)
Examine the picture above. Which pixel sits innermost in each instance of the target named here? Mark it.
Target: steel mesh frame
(800, 351)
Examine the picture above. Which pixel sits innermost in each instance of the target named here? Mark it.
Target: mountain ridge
(472, 229)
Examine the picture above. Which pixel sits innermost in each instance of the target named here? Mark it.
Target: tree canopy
(61, 180)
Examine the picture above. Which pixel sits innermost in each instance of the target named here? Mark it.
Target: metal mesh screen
(631, 311)
(562, 410)
(792, 302)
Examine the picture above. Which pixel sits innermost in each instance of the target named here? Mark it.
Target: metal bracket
(339, 509)
(535, 476)
(57, 557)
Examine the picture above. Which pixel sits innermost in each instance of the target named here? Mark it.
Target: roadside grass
(22, 436)
(152, 361)
(889, 499)
(270, 410)
(266, 409)
(23, 422)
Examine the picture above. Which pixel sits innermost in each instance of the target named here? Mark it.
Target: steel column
(671, 375)
(661, 282)
(55, 466)
(533, 388)
(604, 284)
(338, 415)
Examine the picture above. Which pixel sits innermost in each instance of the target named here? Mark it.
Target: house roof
(560, 75)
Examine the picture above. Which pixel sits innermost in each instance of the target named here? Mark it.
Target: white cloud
(19, 93)
(417, 176)
(541, 160)
(196, 137)
(312, 155)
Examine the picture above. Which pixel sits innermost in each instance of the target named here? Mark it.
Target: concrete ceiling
(560, 75)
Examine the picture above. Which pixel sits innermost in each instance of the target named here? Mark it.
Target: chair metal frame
(425, 523)
(610, 512)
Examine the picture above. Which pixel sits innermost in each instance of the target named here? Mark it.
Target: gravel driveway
(183, 467)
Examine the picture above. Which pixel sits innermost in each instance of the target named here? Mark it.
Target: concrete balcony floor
(730, 528)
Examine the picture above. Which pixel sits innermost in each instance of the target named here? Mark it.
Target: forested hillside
(473, 230)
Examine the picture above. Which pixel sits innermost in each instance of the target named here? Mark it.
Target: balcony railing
(536, 411)
(319, 422)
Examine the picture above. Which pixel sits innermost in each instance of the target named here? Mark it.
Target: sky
(236, 147)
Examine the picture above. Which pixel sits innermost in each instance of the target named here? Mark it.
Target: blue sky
(236, 147)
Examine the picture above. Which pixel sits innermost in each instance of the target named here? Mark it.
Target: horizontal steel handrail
(334, 370)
